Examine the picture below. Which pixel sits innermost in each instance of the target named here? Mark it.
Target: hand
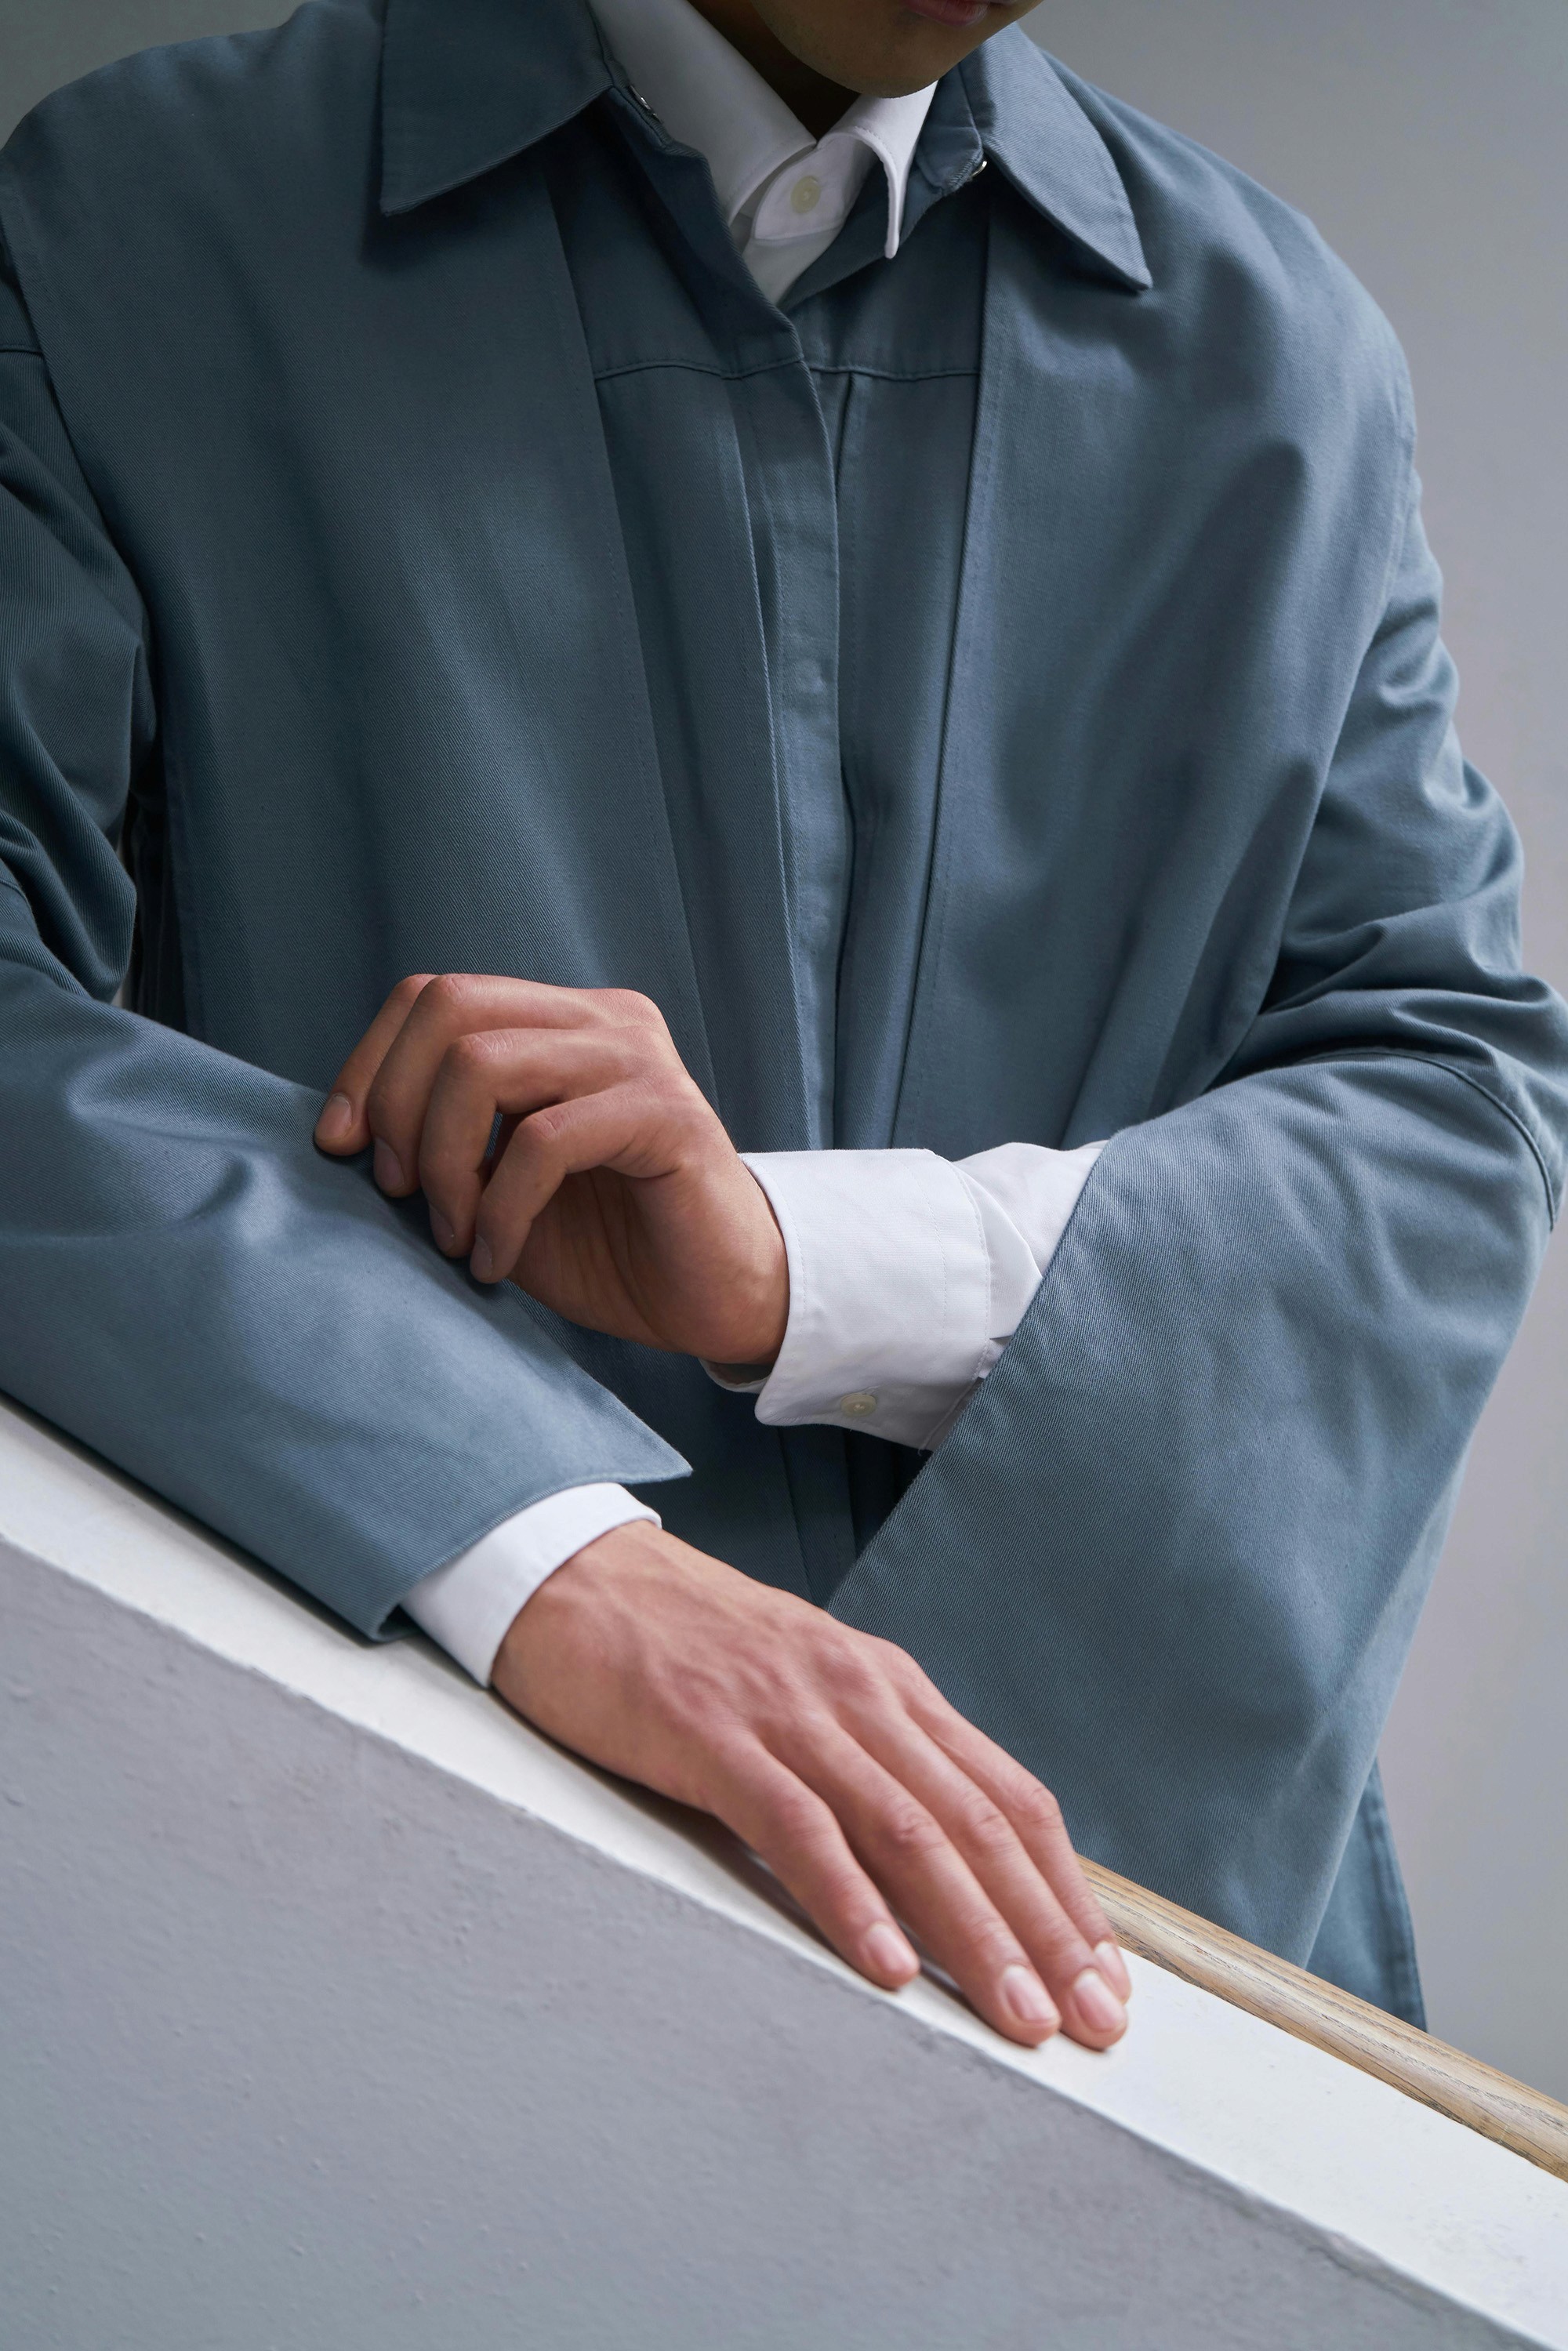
(834, 1758)
(614, 1194)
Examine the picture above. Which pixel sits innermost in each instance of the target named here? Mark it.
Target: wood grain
(1524, 2120)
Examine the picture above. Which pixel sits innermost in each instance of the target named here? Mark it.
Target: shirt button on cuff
(805, 194)
(857, 1403)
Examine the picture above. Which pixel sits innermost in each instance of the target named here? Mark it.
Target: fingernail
(445, 1238)
(337, 1119)
(1114, 1968)
(479, 1261)
(1097, 2004)
(1023, 1992)
(888, 1952)
(389, 1168)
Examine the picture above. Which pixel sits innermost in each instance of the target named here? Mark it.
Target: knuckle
(793, 1816)
(908, 1830)
(544, 1131)
(901, 1670)
(626, 1069)
(849, 1667)
(472, 1054)
(984, 1828)
(452, 994)
(890, 1663)
(1038, 1808)
(1059, 1955)
(629, 1008)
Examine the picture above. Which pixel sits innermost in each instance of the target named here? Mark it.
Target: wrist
(560, 1597)
(748, 1324)
(771, 1318)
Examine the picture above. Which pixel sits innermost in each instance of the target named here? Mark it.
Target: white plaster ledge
(341, 2009)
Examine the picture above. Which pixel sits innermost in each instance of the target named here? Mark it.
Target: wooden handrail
(1462, 2087)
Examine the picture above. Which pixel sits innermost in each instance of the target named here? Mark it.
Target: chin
(885, 48)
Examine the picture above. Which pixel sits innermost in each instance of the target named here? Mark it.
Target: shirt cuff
(908, 1275)
(468, 1605)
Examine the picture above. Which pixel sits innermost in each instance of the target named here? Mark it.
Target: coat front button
(858, 1404)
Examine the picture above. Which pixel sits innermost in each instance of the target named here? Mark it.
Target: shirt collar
(707, 96)
(468, 84)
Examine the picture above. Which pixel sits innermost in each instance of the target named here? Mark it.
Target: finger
(799, 1838)
(627, 1128)
(906, 1851)
(981, 1830)
(342, 1127)
(515, 1073)
(455, 1005)
(1036, 1816)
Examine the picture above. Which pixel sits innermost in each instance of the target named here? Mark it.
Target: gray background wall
(1427, 140)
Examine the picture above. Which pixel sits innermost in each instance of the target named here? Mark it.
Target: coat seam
(1504, 1110)
(780, 367)
(1553, 1196)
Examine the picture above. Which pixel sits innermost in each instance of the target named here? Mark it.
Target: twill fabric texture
(995, 697)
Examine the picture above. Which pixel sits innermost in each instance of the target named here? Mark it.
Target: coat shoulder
(1236, 267)
(136, 204)
(182, 121)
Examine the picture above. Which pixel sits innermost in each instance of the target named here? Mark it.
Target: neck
(810, 97)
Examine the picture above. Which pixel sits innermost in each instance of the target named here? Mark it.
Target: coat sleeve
(185, 1284)
(1172, 1553)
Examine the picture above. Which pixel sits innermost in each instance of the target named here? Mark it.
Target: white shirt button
(807, 194)
(858, 1403)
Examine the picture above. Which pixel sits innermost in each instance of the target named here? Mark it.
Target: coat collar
(1036, 132)
(468, 84)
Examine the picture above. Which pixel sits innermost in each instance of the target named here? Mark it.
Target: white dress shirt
(785, 194)
(908, 1273)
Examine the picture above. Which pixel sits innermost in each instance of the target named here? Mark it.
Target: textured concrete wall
(341, 2011)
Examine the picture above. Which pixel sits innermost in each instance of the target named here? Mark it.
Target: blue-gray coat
(421, 548)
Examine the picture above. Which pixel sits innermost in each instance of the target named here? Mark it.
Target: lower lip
(962, 12)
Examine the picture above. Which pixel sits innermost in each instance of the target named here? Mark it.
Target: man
(613, 535)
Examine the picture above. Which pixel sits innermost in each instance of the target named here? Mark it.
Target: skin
(819, 54)
(614, 1194)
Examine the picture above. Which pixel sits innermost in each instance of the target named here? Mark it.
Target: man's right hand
(614, 1195)
(834, 1758)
